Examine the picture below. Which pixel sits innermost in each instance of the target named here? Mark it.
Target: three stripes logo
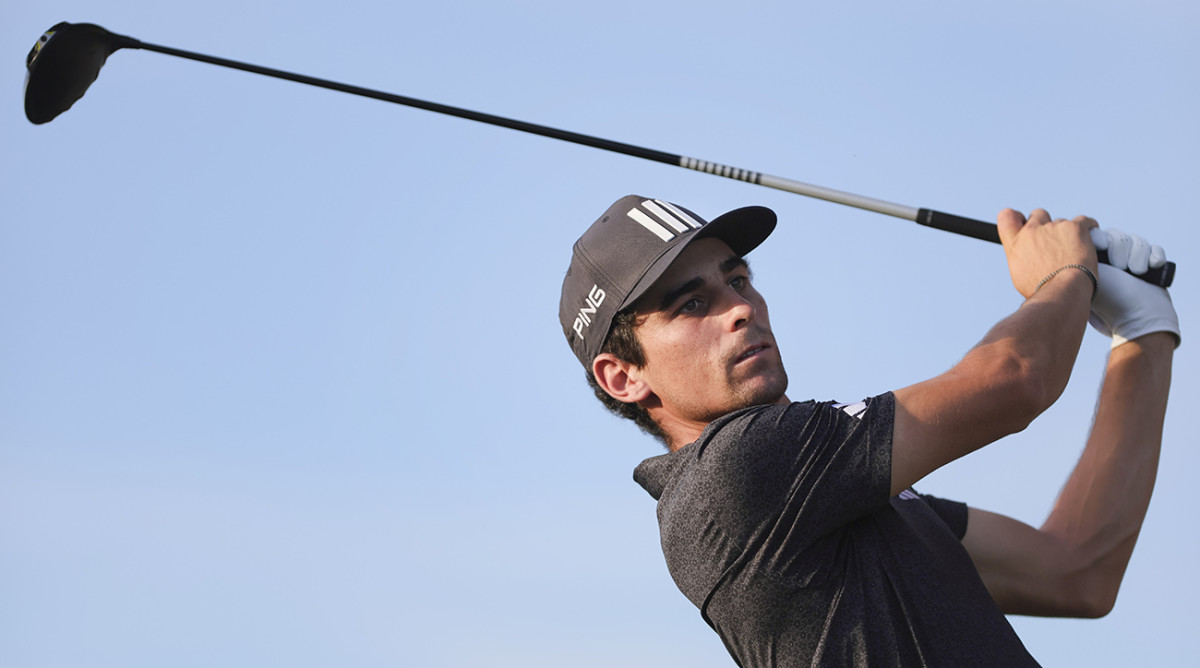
(663, 219)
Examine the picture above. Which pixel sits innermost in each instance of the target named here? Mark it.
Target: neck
(681, 431)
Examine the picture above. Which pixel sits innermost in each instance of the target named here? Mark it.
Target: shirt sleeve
(953, 513)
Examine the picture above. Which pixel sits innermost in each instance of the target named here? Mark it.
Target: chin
(770, 392)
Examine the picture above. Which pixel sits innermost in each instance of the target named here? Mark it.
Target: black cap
(627, 249)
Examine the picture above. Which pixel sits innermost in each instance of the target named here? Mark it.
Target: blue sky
(281, 377)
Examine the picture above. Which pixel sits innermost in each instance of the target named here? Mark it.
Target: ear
(620, 379)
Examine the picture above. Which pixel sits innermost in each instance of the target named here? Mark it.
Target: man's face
(707, 338)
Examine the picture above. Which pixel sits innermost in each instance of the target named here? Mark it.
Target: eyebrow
(672, 295)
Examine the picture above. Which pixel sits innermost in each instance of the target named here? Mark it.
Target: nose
(741, 311)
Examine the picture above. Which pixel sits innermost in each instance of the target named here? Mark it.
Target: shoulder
(797, 422)
(793, 441)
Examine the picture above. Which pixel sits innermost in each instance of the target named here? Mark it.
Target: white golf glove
(1126, 307)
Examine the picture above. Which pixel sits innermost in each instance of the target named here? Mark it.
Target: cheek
(760, 305)
(761, 315)
(681, 357)
(677, 357)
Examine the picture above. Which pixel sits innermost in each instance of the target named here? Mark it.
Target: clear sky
(281, 376)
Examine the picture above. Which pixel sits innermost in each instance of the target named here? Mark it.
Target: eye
(690, 306)
(739, 282)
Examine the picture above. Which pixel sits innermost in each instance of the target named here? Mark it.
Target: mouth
(751, 353)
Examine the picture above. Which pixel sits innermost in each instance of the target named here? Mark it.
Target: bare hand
(1037, 246)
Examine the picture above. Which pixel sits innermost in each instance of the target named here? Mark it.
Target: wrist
(1160, 343)
(1072, 268)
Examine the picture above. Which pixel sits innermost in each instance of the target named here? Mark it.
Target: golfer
(794, 526)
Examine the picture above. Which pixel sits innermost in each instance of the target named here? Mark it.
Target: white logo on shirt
(853, 410)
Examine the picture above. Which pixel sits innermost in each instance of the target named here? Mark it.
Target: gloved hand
(1126, 307)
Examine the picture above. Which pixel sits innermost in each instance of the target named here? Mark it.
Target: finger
(1118, 249)
(1139, 255)
(1088, 222)
(1008, 223)
(1038, 217)
(1158, 257)
(1099, 238)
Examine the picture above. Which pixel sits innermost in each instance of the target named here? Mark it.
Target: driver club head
(62, 64)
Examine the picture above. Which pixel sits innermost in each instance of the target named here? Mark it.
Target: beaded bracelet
(1095, 283)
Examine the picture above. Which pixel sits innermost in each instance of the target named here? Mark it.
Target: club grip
(1162, 276)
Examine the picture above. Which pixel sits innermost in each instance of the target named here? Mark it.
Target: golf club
(68, 57)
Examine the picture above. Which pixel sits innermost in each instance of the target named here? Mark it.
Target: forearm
(1100, 511)
(1042, 338)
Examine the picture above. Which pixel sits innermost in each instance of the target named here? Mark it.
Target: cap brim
(741, 229)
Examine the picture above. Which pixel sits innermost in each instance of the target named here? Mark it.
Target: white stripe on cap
(650, 224)
(665, 217)
(692, 222)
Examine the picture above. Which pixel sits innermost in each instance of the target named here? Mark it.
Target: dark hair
(622, 342)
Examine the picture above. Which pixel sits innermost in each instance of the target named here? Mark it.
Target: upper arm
(1030, 572)
(1017, 371)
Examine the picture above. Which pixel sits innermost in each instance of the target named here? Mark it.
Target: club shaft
(977, 229)
(491, 119)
